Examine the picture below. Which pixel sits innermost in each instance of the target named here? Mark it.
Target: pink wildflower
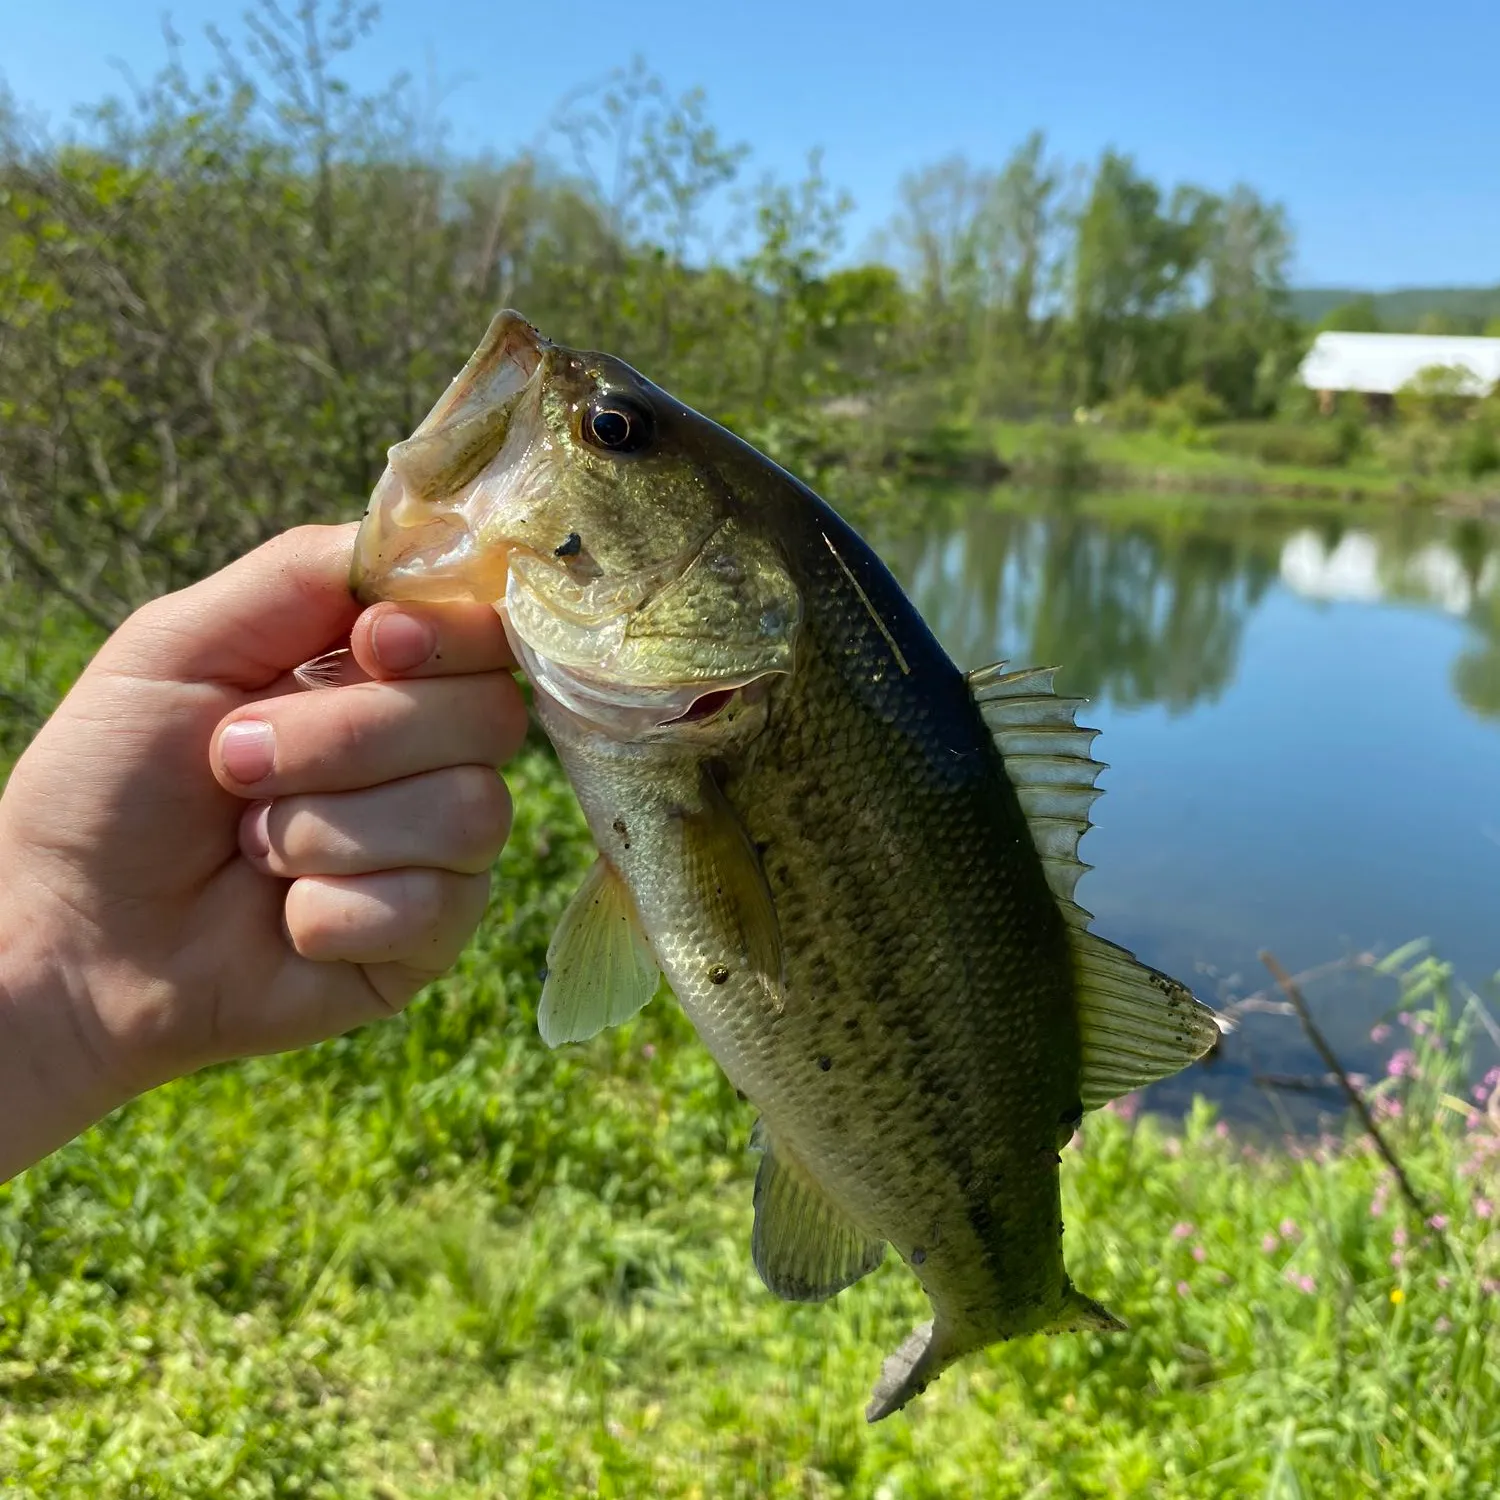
(1183, 1289)
(1199, 1254)
(1489, 1286)
(1181, 1229)
(1379, 1033)
(1403, 1064)
(1444, 1282)
(1441, 1326)
(1398, 1259)
(1306, 1284)
(1483, 1208)
(1438, 1222)
(1270, 1245)
(1289, 1230)
(649, 1051)
(1398, 1235)
(1405, 1018)
(1221, 1129)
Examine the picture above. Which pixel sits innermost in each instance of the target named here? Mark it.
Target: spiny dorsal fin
(1136, 1024)
(803, 1247)
(1048, 760)
(600, 967)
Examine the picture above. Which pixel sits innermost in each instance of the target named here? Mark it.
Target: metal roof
(1384, 362)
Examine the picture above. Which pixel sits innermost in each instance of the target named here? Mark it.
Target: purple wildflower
(1403, 1064)
(1380, 1033)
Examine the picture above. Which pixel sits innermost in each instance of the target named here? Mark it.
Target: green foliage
(1460, 309)
(1316, 444)
(1358, 315)
(435, 1259)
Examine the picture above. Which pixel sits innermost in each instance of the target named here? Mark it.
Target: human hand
(203, 861)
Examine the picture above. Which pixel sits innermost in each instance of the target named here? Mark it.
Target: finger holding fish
(456, 818)
(368, 733)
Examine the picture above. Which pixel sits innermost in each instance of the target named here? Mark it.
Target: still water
(1302, 725)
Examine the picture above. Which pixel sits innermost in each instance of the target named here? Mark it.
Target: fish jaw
(575, 667)
(435, 526)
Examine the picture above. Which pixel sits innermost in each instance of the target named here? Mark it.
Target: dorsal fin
(1136, 1024)
(1047, 758)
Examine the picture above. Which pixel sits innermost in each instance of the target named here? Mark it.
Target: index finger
(430, 640)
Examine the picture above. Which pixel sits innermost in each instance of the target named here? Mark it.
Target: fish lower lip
(624, 710)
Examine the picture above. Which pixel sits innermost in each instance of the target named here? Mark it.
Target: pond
(1301, 718)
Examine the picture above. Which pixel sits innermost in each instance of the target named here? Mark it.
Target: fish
(853, 863)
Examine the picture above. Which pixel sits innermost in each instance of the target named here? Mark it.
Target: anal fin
(600, 967)
(804, 1248)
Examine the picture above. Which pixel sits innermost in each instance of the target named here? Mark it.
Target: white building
(1379, 364)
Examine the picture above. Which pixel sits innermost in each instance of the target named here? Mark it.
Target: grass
(434, 1259)
(1232, 458)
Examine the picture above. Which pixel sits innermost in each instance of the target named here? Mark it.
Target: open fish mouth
(419, 539)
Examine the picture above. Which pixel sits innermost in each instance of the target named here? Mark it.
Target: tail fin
(929, 1350)
(1082, 1314)
(909, 1371)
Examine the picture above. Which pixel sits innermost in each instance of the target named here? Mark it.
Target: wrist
(54, 1081)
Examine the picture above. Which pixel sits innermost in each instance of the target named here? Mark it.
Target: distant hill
(1400, 311)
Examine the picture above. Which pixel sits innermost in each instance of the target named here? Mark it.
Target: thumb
(246, 625)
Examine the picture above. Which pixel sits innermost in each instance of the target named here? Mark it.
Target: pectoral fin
(804, 1249)
(723, 872)
(600, 967)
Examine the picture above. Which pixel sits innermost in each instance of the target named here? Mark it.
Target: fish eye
(617, 425)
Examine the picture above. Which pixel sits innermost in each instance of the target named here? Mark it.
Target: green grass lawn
(1211, 460)
(436, 1260)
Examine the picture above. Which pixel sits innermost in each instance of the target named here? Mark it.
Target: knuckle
(479, 811)
(504, 715)
(422, 898)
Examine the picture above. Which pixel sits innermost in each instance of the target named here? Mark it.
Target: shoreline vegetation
(435, 1259)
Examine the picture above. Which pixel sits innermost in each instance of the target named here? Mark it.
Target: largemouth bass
(853, 863)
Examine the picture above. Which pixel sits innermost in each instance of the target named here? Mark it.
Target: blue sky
(1376, 123)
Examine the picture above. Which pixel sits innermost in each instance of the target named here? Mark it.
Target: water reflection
(1143, 611)
(1298, 713)
(1135, 613)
